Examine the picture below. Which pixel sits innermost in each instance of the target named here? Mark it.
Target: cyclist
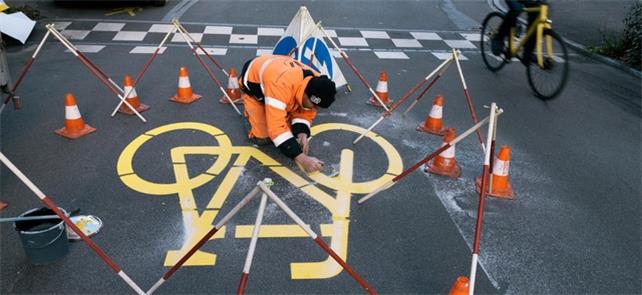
(515, 7)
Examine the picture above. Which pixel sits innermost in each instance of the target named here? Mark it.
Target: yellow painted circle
(395, 164)
(127, 174)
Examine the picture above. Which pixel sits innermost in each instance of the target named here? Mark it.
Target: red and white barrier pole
(92, 69)
(204, 239)
(25, 70)
(354, 69)
(144, 69)
(250, 251)
(180, 27)
(439, 74)
(473, 114)
(428, 158)
(47, 201)
(405, 97)
(81, 55)
(316, 238)
(210, 73)
(482, 193)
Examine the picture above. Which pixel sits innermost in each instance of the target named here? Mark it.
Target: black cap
(321, 91)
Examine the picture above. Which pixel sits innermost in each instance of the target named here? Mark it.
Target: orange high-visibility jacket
(280, 81)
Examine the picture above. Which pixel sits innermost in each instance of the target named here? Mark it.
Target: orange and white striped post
(445, 163)
(233, 90)
(382, 92)
(433, 123)
(75, 126)
(132, 98)
(499, 186)
(184, 93)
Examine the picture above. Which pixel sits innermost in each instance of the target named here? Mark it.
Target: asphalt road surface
(573, 227)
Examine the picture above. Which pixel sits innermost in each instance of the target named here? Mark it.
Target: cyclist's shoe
(496, 45)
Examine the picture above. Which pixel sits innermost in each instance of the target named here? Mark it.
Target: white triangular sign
(303, 40)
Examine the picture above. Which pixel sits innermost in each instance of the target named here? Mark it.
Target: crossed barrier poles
(493, 113)
(187, 39)
(490, 141)
(106, 80)
(439, 71)
(144, 69)
(50, 203)
(352, 67)
(264, 187)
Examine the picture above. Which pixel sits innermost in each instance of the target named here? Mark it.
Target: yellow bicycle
(546, 67)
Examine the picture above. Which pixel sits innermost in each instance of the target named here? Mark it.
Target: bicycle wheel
(547, 81)
(490, 27)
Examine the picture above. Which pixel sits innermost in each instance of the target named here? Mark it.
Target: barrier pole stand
(144, 69)
(473, 114)
(354, 69)
(439, 74)
(250, 251)
(209, 72)
(50, 203)
(403, 99)
(428, 158)
(482, 193)
(25, 69)
(92, 69)
(315, 237)
(204, 239)
(81, 55)
(198, 44)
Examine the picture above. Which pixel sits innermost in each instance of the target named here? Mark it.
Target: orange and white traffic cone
(499, 185)
(433, 123)
(3, 205)
(445, 163)
(233, 90)
(132, 98)
(75, 126)
(184, 93)
(381, 91)
(460, 287)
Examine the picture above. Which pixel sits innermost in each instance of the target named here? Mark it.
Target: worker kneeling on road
(281, 98)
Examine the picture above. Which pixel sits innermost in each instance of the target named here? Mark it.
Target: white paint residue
(333, 114)
(326, 144)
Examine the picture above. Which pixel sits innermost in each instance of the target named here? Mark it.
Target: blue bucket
(45, 240)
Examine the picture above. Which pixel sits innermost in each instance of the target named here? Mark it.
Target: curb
(603, 59)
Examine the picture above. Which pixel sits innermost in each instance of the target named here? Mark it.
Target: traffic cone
(184, 93)
(132, 98)
(433, 124)
(74, 124)
(3, 205)
(460, 287)
(381, 91)
(499, 186)
(233, 90)
(445, 163)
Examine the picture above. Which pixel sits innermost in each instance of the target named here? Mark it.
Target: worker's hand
(309, 164)
(302, 139)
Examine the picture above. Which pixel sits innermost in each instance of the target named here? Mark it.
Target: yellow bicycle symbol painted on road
(197, 224)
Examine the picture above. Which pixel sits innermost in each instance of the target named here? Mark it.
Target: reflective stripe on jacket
(280, 81)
